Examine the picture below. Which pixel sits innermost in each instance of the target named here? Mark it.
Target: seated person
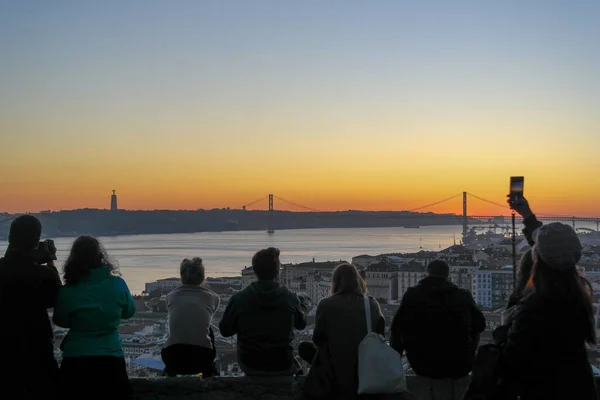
(190, 348)
(263, 316)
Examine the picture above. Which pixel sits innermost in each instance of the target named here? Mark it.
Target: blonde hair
(192, 271)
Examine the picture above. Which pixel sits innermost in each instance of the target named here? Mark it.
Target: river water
(145, 258)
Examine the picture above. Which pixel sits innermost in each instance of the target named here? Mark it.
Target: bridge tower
(465, 218)
(270, 231)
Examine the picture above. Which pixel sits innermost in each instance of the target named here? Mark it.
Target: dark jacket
(438, 325)
(545, 353)
(27, 290)
(263, 316)
(341, 324)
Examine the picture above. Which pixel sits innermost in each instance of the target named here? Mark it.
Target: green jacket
(92, 310)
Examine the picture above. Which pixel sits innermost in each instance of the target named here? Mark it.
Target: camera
(46, 252)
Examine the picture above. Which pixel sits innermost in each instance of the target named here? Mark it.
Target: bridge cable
(296, 205)
(489, 201)
(256, 201)
(435, 204)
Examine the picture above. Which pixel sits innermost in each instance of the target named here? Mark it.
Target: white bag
(380, 368)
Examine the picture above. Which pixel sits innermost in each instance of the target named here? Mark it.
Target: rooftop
(382, 266)
(315, 265)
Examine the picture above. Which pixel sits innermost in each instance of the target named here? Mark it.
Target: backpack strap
(368, 312)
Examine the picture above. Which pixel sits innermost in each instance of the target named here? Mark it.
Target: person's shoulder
(324, 302)
(210, 293)
(45, 271)
(119, 283)
(464, 293)
(172, 294)
(283, 291)
(239, 295)
(413, 291)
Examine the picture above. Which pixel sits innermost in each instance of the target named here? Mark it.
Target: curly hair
(86, 254)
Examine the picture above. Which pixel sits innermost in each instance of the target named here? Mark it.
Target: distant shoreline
(229, 231)
(107, 223)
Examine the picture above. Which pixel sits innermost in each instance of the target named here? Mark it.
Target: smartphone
(516, 187)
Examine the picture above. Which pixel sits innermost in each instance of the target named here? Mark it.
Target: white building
(164, 285)
(248, 277)
(134, 346)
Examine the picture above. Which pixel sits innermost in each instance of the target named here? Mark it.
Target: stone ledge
(194, 388)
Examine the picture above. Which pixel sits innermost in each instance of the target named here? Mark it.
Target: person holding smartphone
(29, 285)
(521, 206)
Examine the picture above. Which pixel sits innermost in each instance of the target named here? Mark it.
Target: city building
(248, 277)
(382, 280)
(295, 276)
(462, 275)
(163, 285)
(408, 276)
(363, 261)
(492, 286)
(135, 345)
(219, 285)
(317, 285)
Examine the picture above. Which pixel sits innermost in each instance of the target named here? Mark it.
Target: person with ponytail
(190, 347)
(545, 354)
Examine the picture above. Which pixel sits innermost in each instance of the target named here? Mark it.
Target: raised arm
(521, 207)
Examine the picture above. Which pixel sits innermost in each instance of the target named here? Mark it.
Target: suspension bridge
(465, 218)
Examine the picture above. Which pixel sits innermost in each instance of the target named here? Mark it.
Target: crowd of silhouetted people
(539, 352)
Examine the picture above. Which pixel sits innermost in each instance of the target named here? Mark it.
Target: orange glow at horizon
(217, 105)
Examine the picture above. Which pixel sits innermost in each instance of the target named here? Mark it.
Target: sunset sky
(335, 104)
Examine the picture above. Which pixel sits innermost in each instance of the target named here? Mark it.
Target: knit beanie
(558, 246)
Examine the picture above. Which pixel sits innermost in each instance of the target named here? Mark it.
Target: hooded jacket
(263, 317)
(92, 310)
(438, 325)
